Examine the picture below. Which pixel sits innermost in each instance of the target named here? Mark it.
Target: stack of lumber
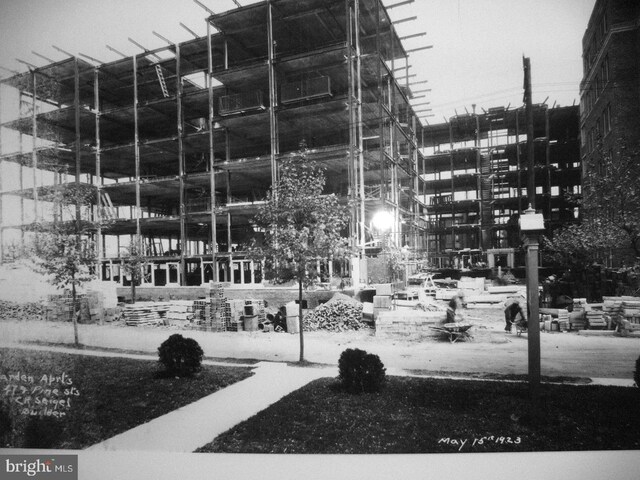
(337, 315)
(612, 306)
(144, 313)
(563, 320)
(631, 309)
(180, 310)
(595, 319)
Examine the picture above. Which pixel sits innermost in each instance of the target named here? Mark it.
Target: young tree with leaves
(134, 262)
(301, 225)
(64, 249)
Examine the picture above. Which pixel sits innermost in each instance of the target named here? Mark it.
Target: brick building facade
(610, 88)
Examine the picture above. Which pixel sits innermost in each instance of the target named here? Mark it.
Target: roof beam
(189, 30)
(211, 12)
(399, 4)
(407, 37)
(408, 19)
(419, 48)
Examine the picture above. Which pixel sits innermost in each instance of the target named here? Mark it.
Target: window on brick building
(604, 71)
(606, 120)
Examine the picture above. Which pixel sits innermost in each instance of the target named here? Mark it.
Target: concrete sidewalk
(196, 424)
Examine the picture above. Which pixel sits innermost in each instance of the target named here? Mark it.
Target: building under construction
(180, 144)
(476, 175)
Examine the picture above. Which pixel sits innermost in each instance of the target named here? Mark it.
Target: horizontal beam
(413, 36)
(211, 12)
(408, 19)
(62, 51)
(419, 48)
(399, 4)
(189, 30)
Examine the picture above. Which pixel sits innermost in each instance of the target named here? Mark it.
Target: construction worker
(514, 313)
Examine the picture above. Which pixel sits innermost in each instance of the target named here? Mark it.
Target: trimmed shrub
(180, 356)
(360, 371)
(636, 374)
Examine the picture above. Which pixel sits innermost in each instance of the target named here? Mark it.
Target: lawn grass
(418, 415)
(114, 395)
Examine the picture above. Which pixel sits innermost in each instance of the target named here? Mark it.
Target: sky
(476, 56)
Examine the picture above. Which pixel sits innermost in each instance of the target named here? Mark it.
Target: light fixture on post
(531, 226)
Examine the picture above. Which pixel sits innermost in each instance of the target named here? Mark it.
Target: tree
(64, 249)
(611, 194)
(610, 206)
(301, 225)
(134, 262)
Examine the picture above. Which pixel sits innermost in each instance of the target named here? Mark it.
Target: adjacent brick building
(610, 88)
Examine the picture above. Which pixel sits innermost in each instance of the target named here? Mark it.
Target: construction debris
(22, 311)
(337, 315)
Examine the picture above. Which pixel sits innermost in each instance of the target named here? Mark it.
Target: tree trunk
(75, 316)
(300, 323)
(133, 289)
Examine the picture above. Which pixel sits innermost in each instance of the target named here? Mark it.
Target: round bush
(180, 356)
(360, 371)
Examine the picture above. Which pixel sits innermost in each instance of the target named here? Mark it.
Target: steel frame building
(476, 175)
(181, 143)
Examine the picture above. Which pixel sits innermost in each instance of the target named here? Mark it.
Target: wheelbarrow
(455, 331)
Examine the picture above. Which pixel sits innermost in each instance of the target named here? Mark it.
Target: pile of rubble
(22, 311)
(337, 315)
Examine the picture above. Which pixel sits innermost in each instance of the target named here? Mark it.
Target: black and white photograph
(344, 239)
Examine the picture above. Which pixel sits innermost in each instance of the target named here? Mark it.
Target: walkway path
(196, 424)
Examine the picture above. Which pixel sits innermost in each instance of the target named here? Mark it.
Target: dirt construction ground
(584, 354)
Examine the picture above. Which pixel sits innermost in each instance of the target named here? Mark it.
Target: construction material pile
(21, 311)
(145, 313)
(339, 314)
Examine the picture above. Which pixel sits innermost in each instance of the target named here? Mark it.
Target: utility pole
(531, 185)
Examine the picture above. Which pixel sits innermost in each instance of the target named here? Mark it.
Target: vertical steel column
(531, 184)
(21, 169)
(547, 162)
(518, 161)
(181, 170)
(34, 146)
(212, 173)
(99, 180)
(383, 186)
(453, 232)
(352, 171)
(136, 143)
(76, 105)
(362, 239)
(416, 184)
(481, 242)
(1, 187)
(229, 237)
(273, 100)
